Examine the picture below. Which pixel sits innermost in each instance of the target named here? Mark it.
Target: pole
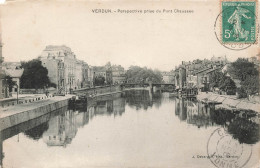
(17, 94)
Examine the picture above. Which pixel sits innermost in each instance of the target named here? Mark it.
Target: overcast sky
(159, 41)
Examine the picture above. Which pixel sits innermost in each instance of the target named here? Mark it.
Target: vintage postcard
(129, 84)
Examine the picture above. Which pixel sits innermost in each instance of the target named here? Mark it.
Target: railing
(12, 103)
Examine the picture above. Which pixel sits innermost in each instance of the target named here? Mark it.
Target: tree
(35, 76)
(248, 74)
(228, 85)
(8, 82)
(242, 68)
(136, 74)
(216, 79)
(223, 82)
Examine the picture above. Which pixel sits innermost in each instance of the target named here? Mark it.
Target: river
(132, 129)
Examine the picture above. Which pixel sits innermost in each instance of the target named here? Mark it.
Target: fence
(30, 100)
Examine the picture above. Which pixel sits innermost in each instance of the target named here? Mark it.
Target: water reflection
(138, 99)
(62, 129)
(243, 125)
(37, 132)
(143, 99)
(59, 128)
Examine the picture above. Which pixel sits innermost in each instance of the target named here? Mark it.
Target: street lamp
(16, 92)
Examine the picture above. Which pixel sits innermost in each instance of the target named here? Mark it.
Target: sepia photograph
(129, 84)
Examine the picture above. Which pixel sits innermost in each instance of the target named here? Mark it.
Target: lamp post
(17, 93)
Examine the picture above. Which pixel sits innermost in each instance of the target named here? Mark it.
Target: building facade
(90, 80)
(168, 77)
(14, 71)
(118, 74)
(2, 92)
(63, 67)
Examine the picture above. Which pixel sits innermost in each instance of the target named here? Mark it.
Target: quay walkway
(229, 101)
(19, 113)
(23, 98)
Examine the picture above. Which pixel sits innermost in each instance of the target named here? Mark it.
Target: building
(196, 74)
(74, 70)
(90, 76)
(168, 77)
(79, 74)
(13, 70)
(118, 74)
(99, 72)
(204, 77)
(56, 72)
(109, 79)
(15, 75)
(104, 72)
(2, 93)
(182, 76)
(85, 69)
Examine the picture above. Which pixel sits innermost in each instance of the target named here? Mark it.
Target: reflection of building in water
(101, 108)
(193, 112)
(62, 129)
(82, 119)
(181, 108)
(91, 112)
(119, 106)
(198, 114)
(107, 107)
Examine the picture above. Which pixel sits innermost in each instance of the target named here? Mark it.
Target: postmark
(236, 26)
(226, 152)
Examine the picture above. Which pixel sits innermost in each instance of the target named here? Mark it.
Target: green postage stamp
(239, 21)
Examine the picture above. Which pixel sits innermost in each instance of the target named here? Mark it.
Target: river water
(134, 129)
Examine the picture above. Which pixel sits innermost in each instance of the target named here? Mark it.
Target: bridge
(152, 86)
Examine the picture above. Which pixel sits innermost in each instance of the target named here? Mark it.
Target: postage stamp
(239, 21)
(226, 152)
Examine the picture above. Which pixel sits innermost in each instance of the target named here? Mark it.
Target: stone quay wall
(228, 101)
(26, 115)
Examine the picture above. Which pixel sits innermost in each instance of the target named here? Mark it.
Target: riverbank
(228, 101)
(14, 115)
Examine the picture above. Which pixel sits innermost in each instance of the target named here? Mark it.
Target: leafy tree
(136, 74)
(242, 68)
(35, 76)
(8, 82)
(228, 85)
(223, 82)
(251, 85)
(247, 73)
(216, 79)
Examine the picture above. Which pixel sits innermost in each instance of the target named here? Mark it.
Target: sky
(158, 41)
